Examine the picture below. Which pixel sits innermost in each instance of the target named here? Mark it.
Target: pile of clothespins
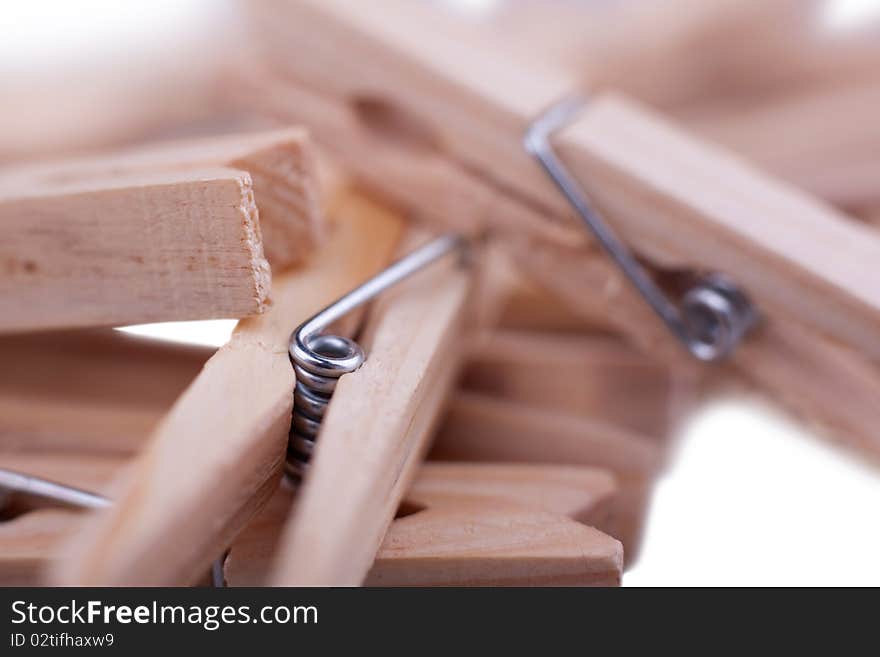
(484, 269)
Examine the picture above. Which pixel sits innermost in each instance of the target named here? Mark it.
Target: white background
(752, 499)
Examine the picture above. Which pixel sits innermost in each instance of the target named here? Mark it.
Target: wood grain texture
(834, 388)
(216, 457)
(280, 163)
(486, 544)
(31, 541)
(578, 492)
(31, 537)
(92, 391)
(593, 376)
(823, 139)
(786, 360)
(59, 424)
(733, 219)
(132, 249)
(391, 153)
(680, 53)
(679, 202)
(376, 431)
(494, 523)
(485, 429)
(529, 307)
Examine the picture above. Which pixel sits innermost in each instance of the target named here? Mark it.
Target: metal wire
(712, 317)
(319, 360)
(13, 482)
(20, 483)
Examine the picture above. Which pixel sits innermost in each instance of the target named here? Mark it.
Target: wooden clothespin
(823, 140)
(377, 429)
(469, 524)
(89, 391)
(162, 234)
(436, 124)
(595, 376)
(44, 511)
(483, 428)
(217, 456)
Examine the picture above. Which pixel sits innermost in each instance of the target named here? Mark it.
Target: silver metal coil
(318, 364)
(320, 359)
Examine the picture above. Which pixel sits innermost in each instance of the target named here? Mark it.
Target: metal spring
(319, 360)
(713, 316)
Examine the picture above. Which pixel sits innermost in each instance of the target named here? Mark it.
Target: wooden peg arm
(483, 428)
(98, 391)
(489, 544)
(216, 456)
(823, 140)
(791, 362)
(132, 249)
(590, 375)
(582, 493)
(517, 520)
(280, 163)
(30, 542)
(677, 201)
(480, 427)
(376, 431)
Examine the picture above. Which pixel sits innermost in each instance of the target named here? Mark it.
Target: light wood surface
(485, 429)
(579, 492)
(832, 387)
(480, 427)
(376, 430)
(62, 424)
(677, 201)
(96, 391)
(91, 472)
(132, 249)
(529, 307)
(495, 544)
(788, 361)
(677, 54)
(592, 376)
(280, 163)
(824, 140)
(782, 356)
(31, 537)
(30, 542)
(216, 457)
(466, 524)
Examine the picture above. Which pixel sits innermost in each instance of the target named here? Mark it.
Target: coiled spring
(319, 360)
(714, 315)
